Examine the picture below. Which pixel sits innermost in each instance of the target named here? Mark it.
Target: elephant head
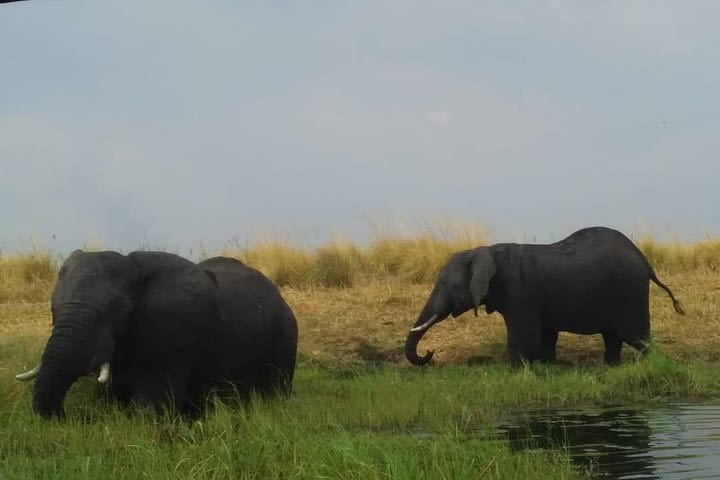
(94, 303)
(93, 299)
(463, 283)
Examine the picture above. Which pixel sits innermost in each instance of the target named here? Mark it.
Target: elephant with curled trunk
(594, 281)
(164, 331)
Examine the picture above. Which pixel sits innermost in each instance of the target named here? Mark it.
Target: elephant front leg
(549, 345)
(524, 340)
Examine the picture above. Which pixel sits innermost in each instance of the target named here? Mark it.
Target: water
(675, 441)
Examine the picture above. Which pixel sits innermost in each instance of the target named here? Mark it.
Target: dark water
(675, 441)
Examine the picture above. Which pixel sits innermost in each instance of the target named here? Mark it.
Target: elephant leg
(280, 372)
(196, 400)
(549, 345)
(613, 345)
(121, 387)
(274, 380)
(524, 339)
(275, 376)
(639, 338)
(161, 391)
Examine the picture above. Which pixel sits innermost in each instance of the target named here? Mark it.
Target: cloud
(201, 120)
(439, 119)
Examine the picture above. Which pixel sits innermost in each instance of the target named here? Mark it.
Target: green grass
(360, 422)
(352, 425)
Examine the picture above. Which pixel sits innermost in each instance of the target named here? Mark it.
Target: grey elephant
(593, 281)
(164, 331)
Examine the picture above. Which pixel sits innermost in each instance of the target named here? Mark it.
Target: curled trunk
(411, 349)
(427, 319)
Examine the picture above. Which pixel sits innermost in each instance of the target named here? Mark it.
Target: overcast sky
(178, 122)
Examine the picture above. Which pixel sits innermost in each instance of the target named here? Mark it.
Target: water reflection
(677, 441)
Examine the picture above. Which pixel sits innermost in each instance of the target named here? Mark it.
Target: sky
(180, 123)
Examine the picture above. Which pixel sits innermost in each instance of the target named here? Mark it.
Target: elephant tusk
(29, 375)
(104, 373)
(426, 325)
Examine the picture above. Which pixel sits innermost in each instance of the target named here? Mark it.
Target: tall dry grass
(412, 258)
(26, 277)
(418, 258)
(682, 257)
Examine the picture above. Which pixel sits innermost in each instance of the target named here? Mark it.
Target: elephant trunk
(411, 349)
(63, 361)
(426, 320)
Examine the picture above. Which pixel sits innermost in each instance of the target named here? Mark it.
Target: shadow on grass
(376, 355)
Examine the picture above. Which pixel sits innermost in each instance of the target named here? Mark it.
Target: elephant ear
(482, 269)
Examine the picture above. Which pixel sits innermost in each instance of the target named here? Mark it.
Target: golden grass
(682, 257)
(283, 263)
(416, 259)
(337, 265)
(27, 277)
(355, 304)
(413, 258)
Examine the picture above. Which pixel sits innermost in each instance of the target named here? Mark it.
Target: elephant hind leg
(276, 375)
(275, 379)
(637, 326)
(613, 346)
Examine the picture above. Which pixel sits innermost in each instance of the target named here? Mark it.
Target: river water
(673, 441)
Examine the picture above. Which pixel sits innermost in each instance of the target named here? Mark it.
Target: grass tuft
(284, 264)
(682, 257)
(418, 259)
(337, 265)
(27, 277)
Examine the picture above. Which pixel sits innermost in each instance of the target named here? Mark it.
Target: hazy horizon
(181, 124)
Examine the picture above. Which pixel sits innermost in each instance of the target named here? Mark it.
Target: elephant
(593, 281)
(164, 331)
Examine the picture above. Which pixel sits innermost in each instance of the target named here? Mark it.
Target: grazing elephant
(594, 281)
(164, 330)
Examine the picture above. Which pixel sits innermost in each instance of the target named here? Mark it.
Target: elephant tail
(676, 303)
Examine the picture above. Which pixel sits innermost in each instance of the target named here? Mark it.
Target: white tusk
(104, 373)
(426, 325)
(29, 375)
